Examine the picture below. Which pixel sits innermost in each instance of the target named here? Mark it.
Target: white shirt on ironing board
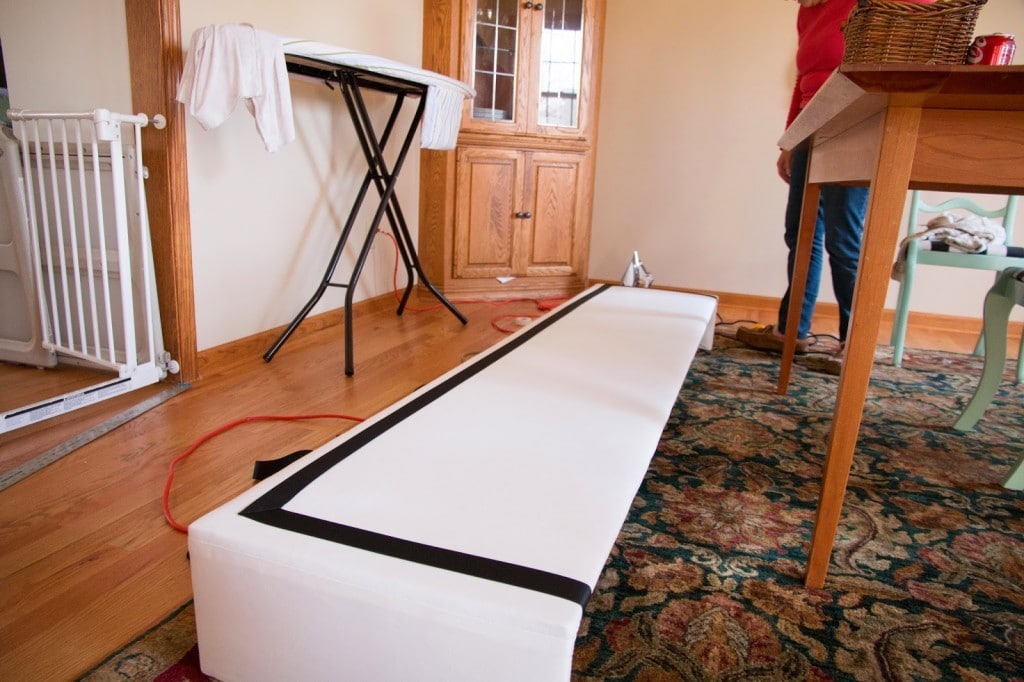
(228, 63)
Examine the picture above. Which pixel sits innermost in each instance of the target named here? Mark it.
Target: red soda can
(997, 48)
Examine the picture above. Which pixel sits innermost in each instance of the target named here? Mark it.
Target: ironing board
(438, 110)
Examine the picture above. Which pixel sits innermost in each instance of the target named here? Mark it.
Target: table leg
(798, 283)
(897, 145)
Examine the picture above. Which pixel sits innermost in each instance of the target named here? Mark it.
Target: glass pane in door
(561, 63)
(494, 59)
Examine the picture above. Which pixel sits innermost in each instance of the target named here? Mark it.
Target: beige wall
(694, 99)
(264, 225)
(693, 102)
(63, 55)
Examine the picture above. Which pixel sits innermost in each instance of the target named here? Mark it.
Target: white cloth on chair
(228, 63)
(964, 233)
(961, 233)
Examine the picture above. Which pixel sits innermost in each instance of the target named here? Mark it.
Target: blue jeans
(838, 232)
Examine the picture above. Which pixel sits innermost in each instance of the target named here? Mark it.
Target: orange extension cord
(542, 305)
(216, 432)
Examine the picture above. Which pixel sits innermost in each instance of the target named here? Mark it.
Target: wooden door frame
(155, 62)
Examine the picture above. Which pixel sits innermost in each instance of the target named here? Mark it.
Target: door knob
(523, 214)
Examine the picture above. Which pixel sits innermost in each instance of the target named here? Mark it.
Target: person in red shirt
(841, 210)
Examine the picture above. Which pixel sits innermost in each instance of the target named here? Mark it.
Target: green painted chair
(1007, 292)
(922, 256)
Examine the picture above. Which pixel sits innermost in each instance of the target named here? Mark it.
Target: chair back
(1007, 213)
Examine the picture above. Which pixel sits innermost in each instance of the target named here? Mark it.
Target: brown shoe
(829, 364)
(764, 337)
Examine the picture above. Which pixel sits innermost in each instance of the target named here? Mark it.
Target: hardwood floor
(89, 561)
(19, 447)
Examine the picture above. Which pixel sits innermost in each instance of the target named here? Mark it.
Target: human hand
(784, 164)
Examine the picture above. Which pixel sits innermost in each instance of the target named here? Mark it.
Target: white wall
(264, 225)
(54, 60)
(691, 110)
(692, 106)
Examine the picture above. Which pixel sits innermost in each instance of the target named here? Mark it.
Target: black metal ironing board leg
(385, 183)
(374, 155)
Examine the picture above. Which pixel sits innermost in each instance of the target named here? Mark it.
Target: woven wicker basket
(894, 32)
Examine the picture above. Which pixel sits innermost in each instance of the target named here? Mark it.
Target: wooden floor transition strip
(70, 445)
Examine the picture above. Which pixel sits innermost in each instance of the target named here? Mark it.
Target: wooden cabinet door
(532, 65)
(518, 214)
(564, 45)
(488, 195)
(496, 59)
(514, 198)
(552, 237)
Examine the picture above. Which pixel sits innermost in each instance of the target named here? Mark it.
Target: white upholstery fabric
(534, 459)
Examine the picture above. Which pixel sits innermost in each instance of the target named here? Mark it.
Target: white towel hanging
(228, 63)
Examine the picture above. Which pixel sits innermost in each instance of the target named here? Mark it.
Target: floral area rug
(167, 653)
(706, 579)
(927, 575)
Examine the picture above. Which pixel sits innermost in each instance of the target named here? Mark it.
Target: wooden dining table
(894, 128)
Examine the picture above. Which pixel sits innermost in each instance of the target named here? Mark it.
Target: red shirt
(820, 48)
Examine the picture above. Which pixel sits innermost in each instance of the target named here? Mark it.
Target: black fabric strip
(279, 496)
(429, 555)
(265, 468)
(268, 508)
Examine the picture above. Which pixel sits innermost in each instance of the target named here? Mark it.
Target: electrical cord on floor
(544, 304)
(730, 333)
(722, 322)
(216, 432)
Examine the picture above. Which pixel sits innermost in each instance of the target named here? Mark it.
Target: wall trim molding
(762, 308)
(155, 61)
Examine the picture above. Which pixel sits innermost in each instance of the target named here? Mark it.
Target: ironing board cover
(443, 111)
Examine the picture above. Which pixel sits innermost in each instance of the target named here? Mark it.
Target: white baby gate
(91, 260)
